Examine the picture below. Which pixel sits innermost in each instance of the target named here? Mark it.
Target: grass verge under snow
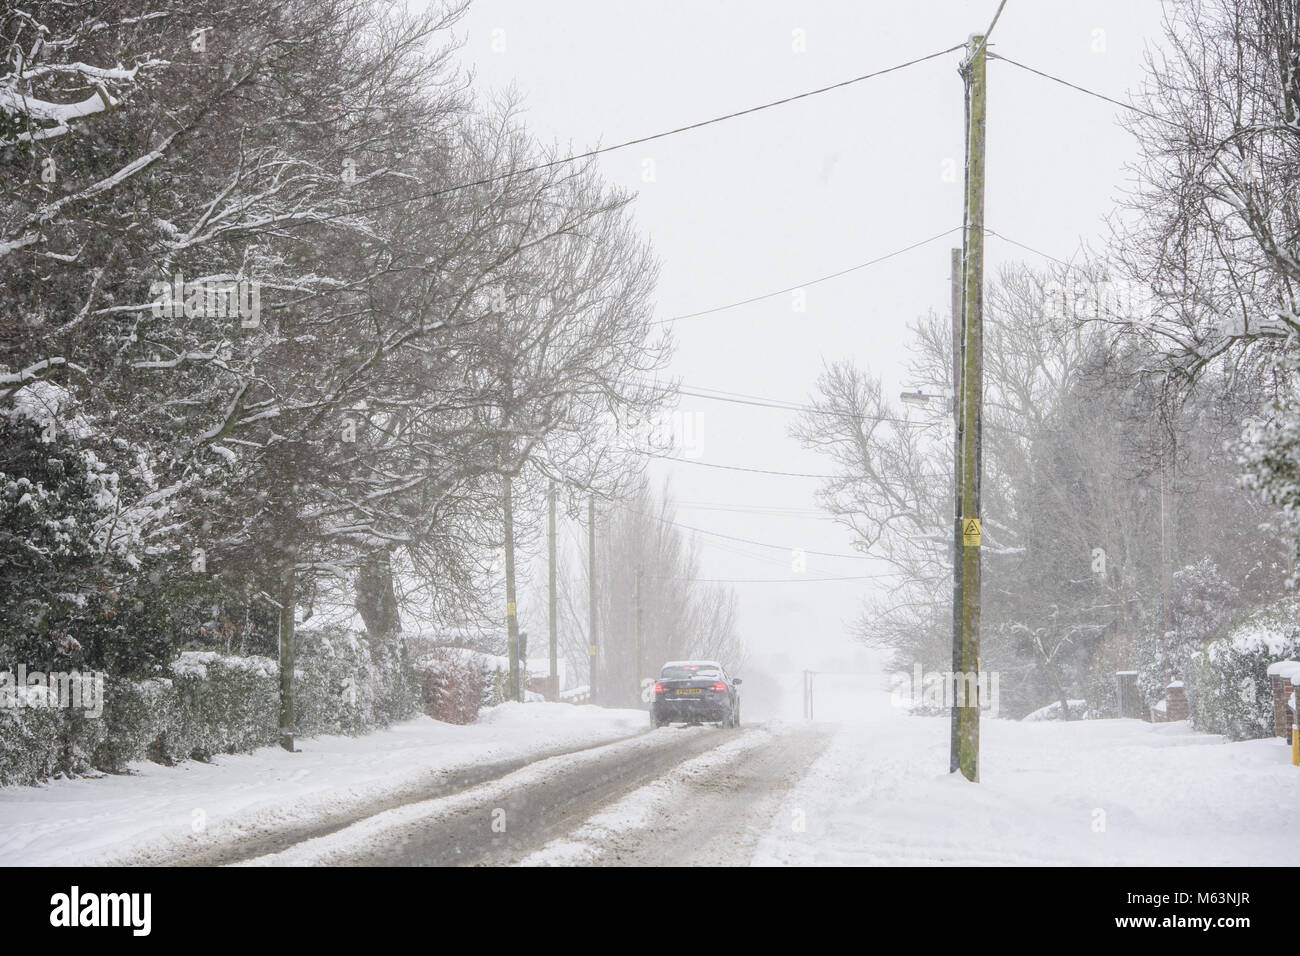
(1081, 793)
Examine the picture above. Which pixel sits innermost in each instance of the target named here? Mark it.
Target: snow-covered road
(550, 784)
(710, 810)
(624, 802)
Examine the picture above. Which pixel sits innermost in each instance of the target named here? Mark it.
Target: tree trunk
(376, 600)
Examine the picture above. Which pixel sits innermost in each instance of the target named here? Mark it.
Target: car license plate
(683, 691)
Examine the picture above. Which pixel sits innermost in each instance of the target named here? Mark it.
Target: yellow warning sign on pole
(970, 532)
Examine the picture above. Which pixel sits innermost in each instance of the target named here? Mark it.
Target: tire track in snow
(502, 820)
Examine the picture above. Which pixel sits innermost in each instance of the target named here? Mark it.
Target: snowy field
(1084, 793)
(159, 810)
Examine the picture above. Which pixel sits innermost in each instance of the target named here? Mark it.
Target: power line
(750, 554)
(762, 544)
(851, 577)
(588, 154)
(1081, 89)
(757, 471)
(737, 398)
(842, 272)
(801, 514)
(989, 31)
(1037, 252)
(939, 475)
(825, 278)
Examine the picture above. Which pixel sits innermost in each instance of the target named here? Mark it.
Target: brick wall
(1175, 705)
(1283, 715)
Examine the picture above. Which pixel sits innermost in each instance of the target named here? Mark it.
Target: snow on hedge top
(1271, 631)
(196, 664)
(1289, 670)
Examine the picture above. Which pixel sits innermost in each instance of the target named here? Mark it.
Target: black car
(693, 692)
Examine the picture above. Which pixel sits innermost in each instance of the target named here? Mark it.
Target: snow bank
(158, 813)
(543, 712)
(1078, 793)
(1078, 711)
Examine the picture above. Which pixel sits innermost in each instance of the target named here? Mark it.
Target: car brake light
(659, 689)
(720, 687)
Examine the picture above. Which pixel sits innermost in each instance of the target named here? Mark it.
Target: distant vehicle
(693, 692)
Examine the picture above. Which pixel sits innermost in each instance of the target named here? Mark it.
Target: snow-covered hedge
(1078, 711)
(456, 682)
(224, 705)
(1231, 693)
(30, 746)
(136, 715)
(1204, 604)
(348, 684)
(210, 704)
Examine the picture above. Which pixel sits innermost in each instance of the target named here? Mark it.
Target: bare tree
(681, 617)
(1218, 197)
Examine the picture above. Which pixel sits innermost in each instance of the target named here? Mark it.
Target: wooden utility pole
(288, 599)
(591, 594)
(954, 757)
(553, 681)
(973, 71)
(1166, 552)
(636, 601)
(512, 622)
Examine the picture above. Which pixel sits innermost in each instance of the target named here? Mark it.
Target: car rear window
(688, 671)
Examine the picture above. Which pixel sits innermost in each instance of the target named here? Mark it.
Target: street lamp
(919, 397)
(924, 398)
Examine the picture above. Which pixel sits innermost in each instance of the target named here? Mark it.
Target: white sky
(767, 201)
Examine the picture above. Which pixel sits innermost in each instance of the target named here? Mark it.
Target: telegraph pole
(954, 757)
(512, 622)
(636, 598)
(974, 74)
(287, 606)
(553, 684)
(591, 594)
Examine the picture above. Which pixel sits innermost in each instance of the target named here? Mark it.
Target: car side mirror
(737, 680)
